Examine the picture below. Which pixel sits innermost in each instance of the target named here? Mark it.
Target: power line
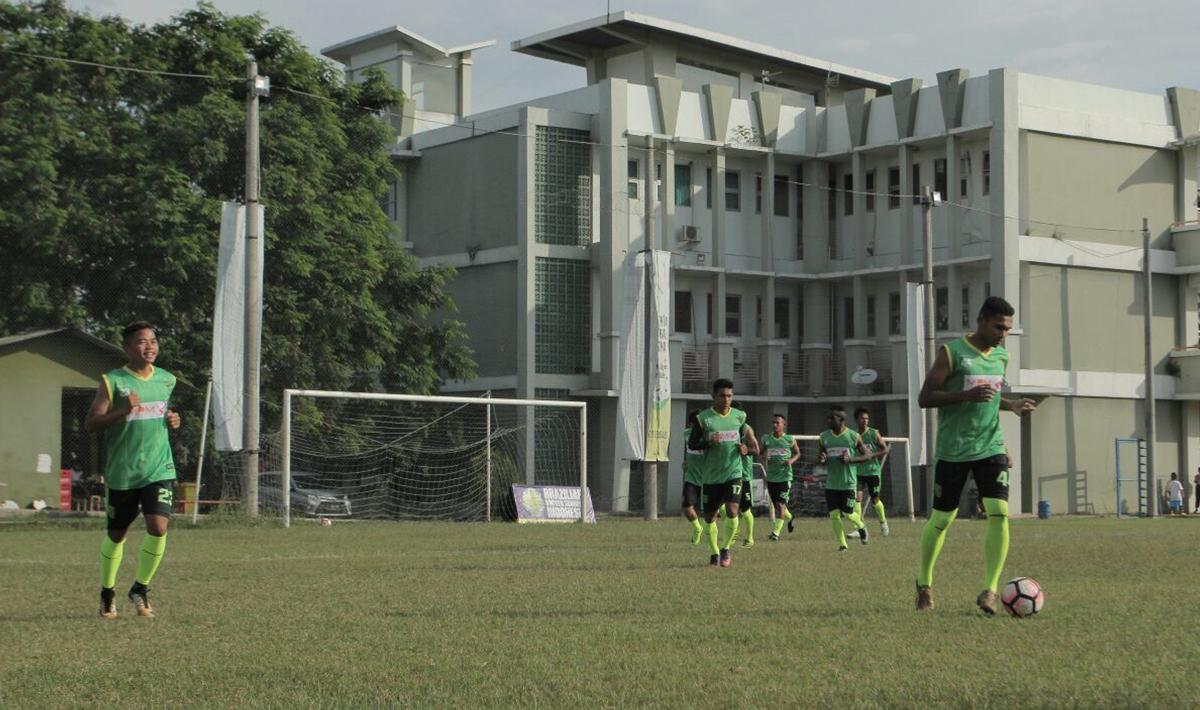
(137, 70)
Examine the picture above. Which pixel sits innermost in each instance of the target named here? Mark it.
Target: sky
(1144, 46)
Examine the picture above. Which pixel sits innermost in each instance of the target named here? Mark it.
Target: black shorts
(870, 484)
(990, 474)
(839, 500)
(155, 499)
(746, 501)
(780, 492)
(718, 494)
(691, 495)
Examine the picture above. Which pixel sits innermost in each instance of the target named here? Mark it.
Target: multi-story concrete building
(784, 186)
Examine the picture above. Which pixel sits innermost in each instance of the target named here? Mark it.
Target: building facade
(785, 188)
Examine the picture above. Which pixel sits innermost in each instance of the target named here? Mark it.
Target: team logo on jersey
(723, 437)
(147, 410)
(968, 361)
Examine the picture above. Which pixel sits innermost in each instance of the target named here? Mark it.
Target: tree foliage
(111, 185)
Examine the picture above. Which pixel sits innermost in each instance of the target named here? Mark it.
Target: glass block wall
(562, 316)
(563, 187)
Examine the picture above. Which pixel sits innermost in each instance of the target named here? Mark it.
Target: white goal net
(412, 457)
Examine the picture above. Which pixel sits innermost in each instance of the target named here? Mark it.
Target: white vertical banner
(632, 396)
(915, 348)
(658, 417)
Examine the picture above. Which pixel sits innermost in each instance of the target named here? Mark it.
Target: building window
(658, 192)
(943, 308)
(733, 315)
(783, 317)
(964, 174)
(758, 187)
(562, 187)
(848, 317)
(758, 317)
(562, 316)
(799, 221)
(708, 188)
(800, 317)
(894, 317)
(939, 178)
(733, 191)
(631, 188)
(870, 186)
(893, 187)
(987, 172)
(917, 188)
(831, 203)
(708, 313)
(683, 311)
(683, 185)
(848, 194)
(870, 316)
(966, 307)
(781, 196)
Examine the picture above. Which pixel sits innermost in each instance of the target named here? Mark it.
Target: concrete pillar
(1004, 144)
(816, 219)
(609, 132)
(908, 252)
(953, 218)
(857, 224)
(464, 84)
(667, 209)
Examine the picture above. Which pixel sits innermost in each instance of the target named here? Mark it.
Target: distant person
(870, 472)
(780, 452)
(841, 449)
(1175, 495)
(132, 409)
(1196, 490)
(719, 432)
(693, 479)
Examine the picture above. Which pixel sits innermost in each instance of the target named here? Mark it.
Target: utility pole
(1148, 297)
(255, 86)
(930, 333)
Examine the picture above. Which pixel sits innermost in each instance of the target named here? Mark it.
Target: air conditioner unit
(689, 234)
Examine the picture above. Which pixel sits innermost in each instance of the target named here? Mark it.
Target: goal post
(403, 456)
(897, 466)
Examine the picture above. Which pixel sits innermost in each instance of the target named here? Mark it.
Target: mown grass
(617, 614)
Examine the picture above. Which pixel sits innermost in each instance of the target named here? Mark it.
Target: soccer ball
(326, 522)
(1023, 597)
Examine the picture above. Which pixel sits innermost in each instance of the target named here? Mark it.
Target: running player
(746, 504)
(780, 453)
(964, 385)
(719, 435)
(693, 479)
(131, 408)
(841, 450)
(870, 473)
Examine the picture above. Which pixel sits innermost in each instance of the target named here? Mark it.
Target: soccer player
(719, 434)
(964, 385)
(870, 473)
(841, 449)
(131, 408)
(780, 453)
(746, 503)
(693, 478)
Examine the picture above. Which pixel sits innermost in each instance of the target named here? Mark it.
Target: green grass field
(620, 613)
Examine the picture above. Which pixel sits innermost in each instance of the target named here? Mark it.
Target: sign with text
(550, 504)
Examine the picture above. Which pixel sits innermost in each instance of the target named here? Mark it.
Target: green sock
(110, 561)
(696, 526)
(879, 511)
(857, 520)
(787, 515)
(712, 537)
(152, 552)
(748, 517)
(721, 512)
(731, 529)
(779, 526)
(839, 530)
(932, 538)
(995, 541)
(858, 508)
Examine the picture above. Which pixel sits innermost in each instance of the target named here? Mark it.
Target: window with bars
(848, 317)
(964, 174)
(871, 315)
(563, 187)
(939, 178)
(894, 317)
(781, 196)
(733, 315)
(683, 184)
(870, 188)
(631, 186)
(987, 172)
(733, 191)
(783, 317)
(562, 316)
(848, 194)
(893, 187)
(683, 311)
(942, 307)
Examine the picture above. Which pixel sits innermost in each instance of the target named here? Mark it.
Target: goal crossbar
(908, 486)
(286, 447)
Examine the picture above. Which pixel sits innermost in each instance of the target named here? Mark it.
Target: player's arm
(795, 453)
(1018, 405)
(751, 440)
(822, 454)
(99, 417)
(933, 396)
(864, 454)
(883, 449)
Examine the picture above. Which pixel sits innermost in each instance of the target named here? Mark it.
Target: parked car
(307, 498)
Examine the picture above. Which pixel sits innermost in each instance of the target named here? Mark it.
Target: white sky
(1145, 46)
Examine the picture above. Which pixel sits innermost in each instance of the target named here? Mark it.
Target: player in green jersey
(964, 385)
(870, 474)
(132, 409)
(719, 435)
(841, 450)
(780, 452)
(746, 503)
(693, 478)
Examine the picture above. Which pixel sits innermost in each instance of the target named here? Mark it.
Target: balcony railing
(747, 370)
(695, 371)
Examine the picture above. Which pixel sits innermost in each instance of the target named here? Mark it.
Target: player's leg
(691, 500)
(948, 480)
(850, 512)
(835, 501)
(991, 476)
(746, 504)
(157, 500)
(733, 492)
(714, 499)
(873, 489)
(121, 510)
(778, 493)
(858, 498)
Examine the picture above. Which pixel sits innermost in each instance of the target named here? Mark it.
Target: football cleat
(924, 597)
(863, 535)
(773, 537)
(749, 542)
(108, 604)
(725, 560)
(141, 604)
(986, 601)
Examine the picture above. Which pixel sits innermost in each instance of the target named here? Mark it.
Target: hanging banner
(632, 396)
(229, 327)
(658, 418)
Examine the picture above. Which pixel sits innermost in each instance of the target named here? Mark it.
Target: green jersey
(747, 468)
(779, 451)
(722, 458)
(693, 462)
(137, 449)
(970, 431)
(871, 439)
(842, 476)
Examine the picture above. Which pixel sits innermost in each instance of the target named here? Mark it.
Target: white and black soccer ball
(1023, 597)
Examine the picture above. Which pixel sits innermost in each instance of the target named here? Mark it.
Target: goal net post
(896, 475)
(420, 457)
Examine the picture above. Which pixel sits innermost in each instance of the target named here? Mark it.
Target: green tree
(111, 184)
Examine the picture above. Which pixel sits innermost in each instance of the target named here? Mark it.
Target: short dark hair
(136, 327)
(777, 414)
(995, 306)
(838, 409)
(861, 411)
(721, 383)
